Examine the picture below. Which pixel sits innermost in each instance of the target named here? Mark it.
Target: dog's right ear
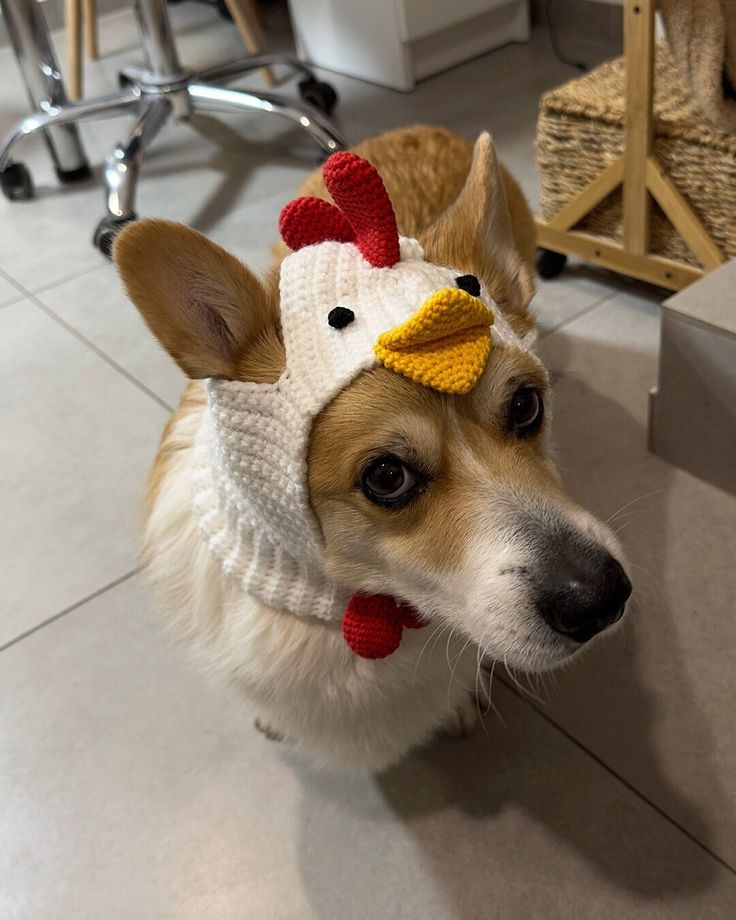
(476, 233)
(205, 307)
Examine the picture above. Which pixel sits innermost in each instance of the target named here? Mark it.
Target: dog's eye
(526, 411)
(389, 481)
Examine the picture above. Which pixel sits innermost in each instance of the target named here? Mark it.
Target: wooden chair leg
(73, 17)
(91, 34)
(245, 17)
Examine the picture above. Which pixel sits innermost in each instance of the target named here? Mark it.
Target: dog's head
(427, 456)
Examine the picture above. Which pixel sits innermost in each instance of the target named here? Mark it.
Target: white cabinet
(398, 42)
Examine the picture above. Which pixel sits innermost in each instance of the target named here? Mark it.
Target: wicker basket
(580, 133)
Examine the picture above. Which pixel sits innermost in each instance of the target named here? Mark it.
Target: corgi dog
(354, 510)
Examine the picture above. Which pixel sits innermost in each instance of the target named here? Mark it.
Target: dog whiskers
(477, 691)
(490, 690)
(491, 704)
(617, 530)
(436, 632)
(633, 502)
(526, 691)
(447, 657)
(454, 666)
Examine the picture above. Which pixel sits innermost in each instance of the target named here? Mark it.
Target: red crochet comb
(364, 214)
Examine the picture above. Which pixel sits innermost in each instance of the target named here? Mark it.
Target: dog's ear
(212, 315)
(475, 234)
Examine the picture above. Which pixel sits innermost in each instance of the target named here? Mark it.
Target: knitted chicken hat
(354, 294)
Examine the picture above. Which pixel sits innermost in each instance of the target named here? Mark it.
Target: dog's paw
(463, 720)
(271, 733)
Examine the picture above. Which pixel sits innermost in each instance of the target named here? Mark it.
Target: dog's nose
(580, 596)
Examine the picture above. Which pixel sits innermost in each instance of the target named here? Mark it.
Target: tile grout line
(66, 280)
(22, 293)
(69, 609)
(91, 345)
(584, 312)
(601, 763)
(99, 352)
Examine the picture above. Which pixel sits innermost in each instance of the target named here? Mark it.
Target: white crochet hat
(353, 294)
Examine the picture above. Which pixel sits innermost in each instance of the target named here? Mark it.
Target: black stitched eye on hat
(340, 317)
(468, 283)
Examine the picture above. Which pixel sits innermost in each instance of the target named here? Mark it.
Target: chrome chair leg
(122, 166)
(101, 107)
(232, 69)
(229, 101)
(37, 61)
(157, 39)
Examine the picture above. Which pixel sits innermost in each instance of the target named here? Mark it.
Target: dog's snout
(581, 593)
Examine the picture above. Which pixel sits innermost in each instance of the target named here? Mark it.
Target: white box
(395, 43)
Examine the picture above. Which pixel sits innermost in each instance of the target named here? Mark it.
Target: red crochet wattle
(364, 213)
(373, 624)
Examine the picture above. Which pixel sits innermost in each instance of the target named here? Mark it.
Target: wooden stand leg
(590, 196)
(73, 17)
(245, 17)
(643, 180)
(639, 52)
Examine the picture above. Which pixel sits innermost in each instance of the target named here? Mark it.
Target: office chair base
(154, 93)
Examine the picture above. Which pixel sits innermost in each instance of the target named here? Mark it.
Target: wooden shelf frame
(643, 179)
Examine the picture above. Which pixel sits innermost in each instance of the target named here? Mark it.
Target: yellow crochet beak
(445, 345)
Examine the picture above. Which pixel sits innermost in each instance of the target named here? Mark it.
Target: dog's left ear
(211, 313)
(475, 234)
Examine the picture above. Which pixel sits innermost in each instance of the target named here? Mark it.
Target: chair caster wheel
(16, 182)
(72, 176)
(319, 94)
(124, 81)
(550, 264)
(106, 231)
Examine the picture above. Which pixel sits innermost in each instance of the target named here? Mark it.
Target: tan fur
(476, 234)
(424, 170)
(172, 442)
(213, 316)
(382, 412)
(452, 553)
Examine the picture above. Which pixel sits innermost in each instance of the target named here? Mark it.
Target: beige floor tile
(96, 306)
(77, 441)
(133, 788)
